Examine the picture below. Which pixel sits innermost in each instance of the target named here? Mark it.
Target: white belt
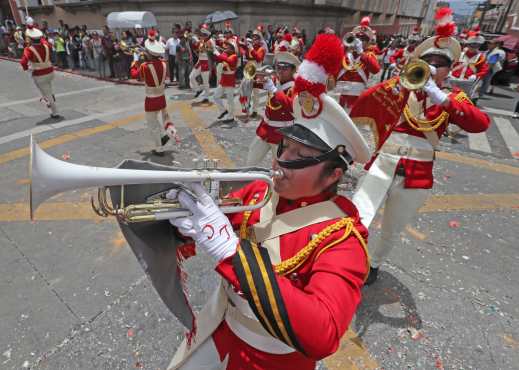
(228, 72)
(408, 146)
(154, 92)
(244, 324)
(278, 123)
(350, 88)
(39, 66)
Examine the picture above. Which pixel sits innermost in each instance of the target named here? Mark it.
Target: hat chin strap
(297, 164)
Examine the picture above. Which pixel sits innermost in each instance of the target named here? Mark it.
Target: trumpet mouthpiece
(278, 174)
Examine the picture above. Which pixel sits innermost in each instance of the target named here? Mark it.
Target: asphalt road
(74, 297)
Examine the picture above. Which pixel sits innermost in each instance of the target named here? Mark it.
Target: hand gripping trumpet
(51, 176)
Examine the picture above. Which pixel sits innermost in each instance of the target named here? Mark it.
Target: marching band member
(409, 129)
(291, 272)
(255, 53)
(357, 65)
(472, 65)
(201, 68)
(387, 53)
(153, 73)
(229, 61)
(278, 110)
(37, 54)
(399, 59)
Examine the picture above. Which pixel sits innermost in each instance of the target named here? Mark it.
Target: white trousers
(258, 149)
(255, 99)
(156, 127)
(205, 81)
(205, 357)
(44, 85)
(400, 208)
(219, 93)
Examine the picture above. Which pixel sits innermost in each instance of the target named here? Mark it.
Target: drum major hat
(320, 122)
(31, 31)
(443, 43)
(154, 47)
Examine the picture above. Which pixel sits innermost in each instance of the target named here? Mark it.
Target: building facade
(388, 16)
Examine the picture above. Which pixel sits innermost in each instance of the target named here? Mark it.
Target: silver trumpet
(51, 176)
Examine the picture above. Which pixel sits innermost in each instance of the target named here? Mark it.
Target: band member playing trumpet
(357, 65)
(399, 59)
(201, 68)
(409, 123)
(278, 110)
(255, 53)
(153, 73)
(38, 54)
(291, 272)
(229, 62)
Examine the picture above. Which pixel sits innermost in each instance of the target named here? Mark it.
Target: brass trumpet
(259, 75)
(415, 74)
(51, 176)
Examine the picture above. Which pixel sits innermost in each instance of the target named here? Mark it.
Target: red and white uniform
(401, 57)
(153, 73)
(201, 68)
(470, 64)
(226, 83)
(278, 113)
(354, 76)
(250, 97)
(38, 57)
(325, 287)
(401, 171)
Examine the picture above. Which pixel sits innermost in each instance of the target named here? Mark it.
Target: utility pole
(504, 16)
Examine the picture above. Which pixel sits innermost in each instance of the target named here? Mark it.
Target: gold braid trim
(294, 262)
(461, 97)
(417, 123)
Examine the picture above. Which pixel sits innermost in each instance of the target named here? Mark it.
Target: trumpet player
(153, 73)
(278, 110)
(399, 59)
(256, 54)
(229, 62)
(201, 68)
(292, 272)
(409, 123)
(37, 54)
(357, 66)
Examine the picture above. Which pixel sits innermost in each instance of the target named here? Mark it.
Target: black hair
(329, 167)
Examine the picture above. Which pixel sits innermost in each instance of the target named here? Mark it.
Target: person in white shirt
(495, 59)
(171, 49)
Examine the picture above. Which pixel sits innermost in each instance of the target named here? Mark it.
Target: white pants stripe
(155, 127)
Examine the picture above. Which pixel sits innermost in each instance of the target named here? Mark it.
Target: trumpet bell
(249, 70)
(415, 74)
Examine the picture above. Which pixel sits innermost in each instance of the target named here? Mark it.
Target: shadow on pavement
(387, 290)
(49, 120)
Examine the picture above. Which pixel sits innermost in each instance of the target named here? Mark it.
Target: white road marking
(479, 142)
(68, 93)
(497, 111)
(509, 134)
(54, 126)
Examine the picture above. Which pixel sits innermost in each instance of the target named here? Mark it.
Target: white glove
(208, 226)
(269, 86)
(433, 91)
(392, 65)
(358, 46)
(433, 70)
(216, 52)
(472, 78)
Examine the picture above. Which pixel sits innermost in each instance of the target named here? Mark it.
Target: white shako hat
(364, 29)
(444, 42)
(283, 54)
(152, 46)
(320, 122)
(32, 31)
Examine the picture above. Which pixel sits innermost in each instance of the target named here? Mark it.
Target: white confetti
(465, 257)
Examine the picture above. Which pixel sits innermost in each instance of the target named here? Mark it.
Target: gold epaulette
(461, 97)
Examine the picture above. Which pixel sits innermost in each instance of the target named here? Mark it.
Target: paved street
(74, 297)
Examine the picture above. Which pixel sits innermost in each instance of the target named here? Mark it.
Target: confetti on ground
(65, 156)
(454, 224)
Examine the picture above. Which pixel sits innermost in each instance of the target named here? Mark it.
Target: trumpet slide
(51, 176)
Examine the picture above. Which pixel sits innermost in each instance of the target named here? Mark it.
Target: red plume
(476, 28)
(365, 21)
(442, 13)
(287, 37)
(152, 34)
(447, 30)
(327, 51)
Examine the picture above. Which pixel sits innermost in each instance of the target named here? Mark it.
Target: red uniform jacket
(257, 53)
(43, 50)
(418, 174)
(401, 57)
(153, 103)
(203, 60)
(278, 110)
(319, 298)
(368, 63)
(228, 78)
(470, 64)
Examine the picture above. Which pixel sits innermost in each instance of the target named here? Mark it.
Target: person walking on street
(98, 52)
(495, 59)
(184, 59)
